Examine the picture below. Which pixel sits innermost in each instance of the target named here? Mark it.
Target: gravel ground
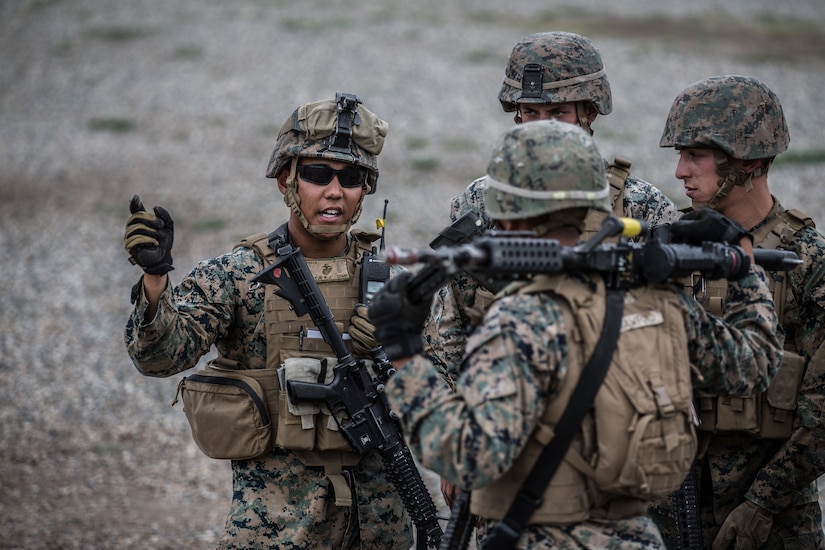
(181, 101)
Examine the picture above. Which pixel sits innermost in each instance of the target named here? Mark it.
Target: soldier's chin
(328, 232)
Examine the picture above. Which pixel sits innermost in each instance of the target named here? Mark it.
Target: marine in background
(760, 456)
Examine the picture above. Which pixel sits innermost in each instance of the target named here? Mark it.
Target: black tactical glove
(706, 224)
(398, 322)
(148, 239)
(362, 332)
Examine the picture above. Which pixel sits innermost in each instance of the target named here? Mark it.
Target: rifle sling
(509, 529)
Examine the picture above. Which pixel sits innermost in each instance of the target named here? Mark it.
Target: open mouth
(331, 214)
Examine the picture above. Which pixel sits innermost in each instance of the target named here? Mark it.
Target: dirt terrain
(181, 101)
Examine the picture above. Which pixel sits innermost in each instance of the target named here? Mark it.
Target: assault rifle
(354, 392)
(515, 255)
(462, 521)
(686, 511)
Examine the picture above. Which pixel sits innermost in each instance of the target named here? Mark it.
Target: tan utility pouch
(307, 426)
(768, 415)
(231, 412)
(780, 399)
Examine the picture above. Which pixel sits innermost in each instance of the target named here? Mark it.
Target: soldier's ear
(592, 113)
(750, 166)
(281, 177)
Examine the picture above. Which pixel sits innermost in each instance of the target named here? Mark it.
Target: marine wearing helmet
(738, 117)
(341, 130)
(556, 67)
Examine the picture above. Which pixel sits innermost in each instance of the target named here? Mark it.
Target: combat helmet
(555, 67)
(342, 130)
(335, 130)
(738, 116)
(542, 167)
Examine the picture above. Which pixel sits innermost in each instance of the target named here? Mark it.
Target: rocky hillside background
(180, 101)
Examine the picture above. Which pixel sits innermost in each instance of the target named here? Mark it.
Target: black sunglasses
(321, 174)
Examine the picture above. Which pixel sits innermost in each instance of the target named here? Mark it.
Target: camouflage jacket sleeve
(801, 459)
(457, 308)
(212, 305)
(472, 436)
(643, 201)
(740, 354)
(459, 305)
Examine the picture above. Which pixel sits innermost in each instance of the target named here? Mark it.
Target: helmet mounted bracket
(531, 82)
(341, 140)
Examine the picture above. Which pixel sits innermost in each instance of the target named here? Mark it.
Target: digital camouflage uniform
(277, 501)
(543, 68)
(512, 367)
(742, 118)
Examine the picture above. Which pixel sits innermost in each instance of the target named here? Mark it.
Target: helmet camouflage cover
(335, 130)
(738, 114)
(555, 67)
(541, 167)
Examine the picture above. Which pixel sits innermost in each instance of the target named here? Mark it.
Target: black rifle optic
(353, 392)
(515, 255)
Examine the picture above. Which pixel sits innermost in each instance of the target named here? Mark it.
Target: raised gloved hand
(706, 224)
(398, 322)
(362, 331)
(747, 527)
(148, 239)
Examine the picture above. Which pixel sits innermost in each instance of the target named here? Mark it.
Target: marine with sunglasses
(308, 489)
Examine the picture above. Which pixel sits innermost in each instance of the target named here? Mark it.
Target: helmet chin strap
(730, 177)
(293, 201)
(581, 113)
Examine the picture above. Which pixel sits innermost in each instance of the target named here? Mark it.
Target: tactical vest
(294, 345)
(638, 441)
(769, 414)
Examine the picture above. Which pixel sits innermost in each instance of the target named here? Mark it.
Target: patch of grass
(112, 124)
(189, 52)
(777, 37)
(616, 135)
(106, 449)
(208, 224)
(484, 56)
(460, 144)
(42, 4)
(428, 164)
(118, 33)
(313, 24)
(270, 131)
(810, 156)
(62, 49)
(415, 142)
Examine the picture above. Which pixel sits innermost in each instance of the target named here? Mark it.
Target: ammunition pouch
(307, 426)
(768, 415)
